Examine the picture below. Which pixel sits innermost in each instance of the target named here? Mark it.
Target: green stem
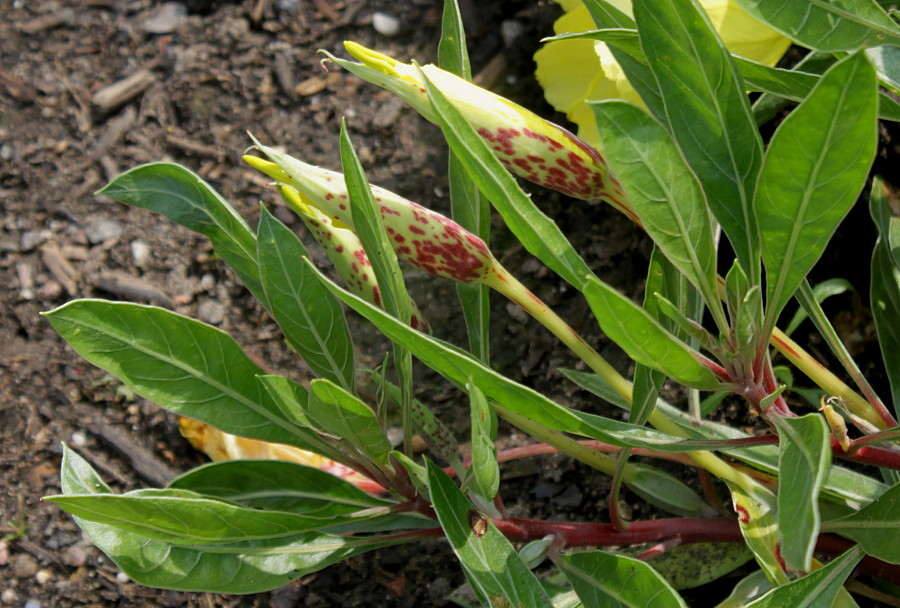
(501, 280)
(826, 380)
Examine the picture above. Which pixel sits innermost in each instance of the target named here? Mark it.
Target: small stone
(211, 311)
(384, 24)
(101, 230)
(207, 282)
(75, 556)
(4, 553)
(123, 578)
(8, 596)
(165, 19)
(43, 576)
(510, 30)
(79, 439)
(24, 566)
(395, 435)
(51, 290)
(6, 152)
(32, 603)
(30, 239)
(287, 6)
(140, 253)
(570, 498)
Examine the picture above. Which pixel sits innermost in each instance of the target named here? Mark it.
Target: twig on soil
(131, 287)
(143, 461)
(59, 267)
(111, 97)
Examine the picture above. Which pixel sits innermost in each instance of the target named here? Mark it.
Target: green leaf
(615, 581)
(804, 458)
(664, 491)
(595, 385)
(369, 226)
(748, 588)
(814, 169)
(277, 485)
(492, 566)
(821, 292)
(834, 25)
(183, 197)
(185, 366)
(310, 317)
(644, 340)
(708, 113)
(459, 366)
(885, 289)
(663, 191)
(339, 412)
(181, 517)
(484, 472)
(452, 53)
(876, 527)
(756, 511)
(537, 232)
(816, 590)
(250, 567)
(695, 564)
(886, 60)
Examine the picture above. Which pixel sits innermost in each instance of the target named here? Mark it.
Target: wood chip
(26, 281)
(194, 147)
(16, 87)
(316, 84)
(114, 130)
(111, 97)
(131, 287)
(59, 267)
(47, 22)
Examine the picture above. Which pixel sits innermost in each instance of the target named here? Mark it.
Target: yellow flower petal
(572, 72)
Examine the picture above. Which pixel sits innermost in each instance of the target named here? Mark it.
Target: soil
(199, 81)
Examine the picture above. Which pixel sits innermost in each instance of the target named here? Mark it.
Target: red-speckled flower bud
(346, 252)
(525, 143)
(425, 239)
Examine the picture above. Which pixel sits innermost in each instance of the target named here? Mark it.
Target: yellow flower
(574, 71)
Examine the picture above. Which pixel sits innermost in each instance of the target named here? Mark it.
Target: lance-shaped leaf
(459, 366)
(249, 567)
(484, 473)
(278, 486)
(185, 366)
(837, 25)
(497, 574)
(525, 143)
(346, 253)
(691, 565)
(804, 458)
(707, 111)
(182, 517)
(183, 197)
(813, 171)
(815, 590)
(885, 290)
(876, 527)
(607, 579)
(757, 517)
(345, 415)
(644, 339)
(311, 319)
(468, 206)
(426, 239)
(664, 193)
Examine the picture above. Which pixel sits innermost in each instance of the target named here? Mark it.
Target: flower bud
(425, 239)
(525, 143)
(346, 252)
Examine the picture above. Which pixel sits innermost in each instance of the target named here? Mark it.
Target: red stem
(876, 457)
(682, 530)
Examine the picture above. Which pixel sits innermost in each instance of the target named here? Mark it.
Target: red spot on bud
(416, 230)
(743, 514)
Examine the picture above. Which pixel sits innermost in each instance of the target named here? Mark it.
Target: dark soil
(222, 69)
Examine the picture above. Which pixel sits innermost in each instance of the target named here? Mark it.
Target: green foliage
(691, 165)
